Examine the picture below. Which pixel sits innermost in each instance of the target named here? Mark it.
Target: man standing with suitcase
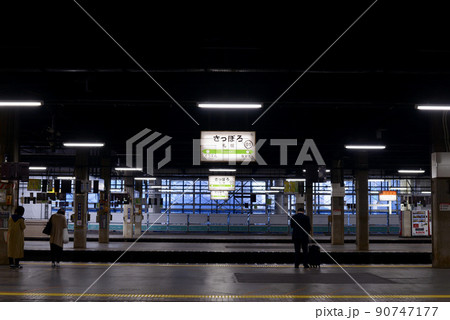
(301, 227)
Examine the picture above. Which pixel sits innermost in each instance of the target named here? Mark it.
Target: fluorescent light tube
(230, 105)
(222, 170)
(20, 103)
(364, 147)
(144, 178)
(411, 171)
(433, 108)
(38, 168)
(159, 187)
(294, 180)
(426, 192)
(127, 169)
(279, 188)
(66, 178)
(84, 144)
(376, 180)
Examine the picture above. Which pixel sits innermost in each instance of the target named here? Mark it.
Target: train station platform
(233, 248)
(232, 268)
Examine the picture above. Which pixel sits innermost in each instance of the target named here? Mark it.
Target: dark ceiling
(362, 90)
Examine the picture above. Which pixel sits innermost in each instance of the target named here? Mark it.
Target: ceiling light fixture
(433, 108)
(66, 178)
(127, 169)
(426, 192)
(411, 171)
(20, 103)
(144, 178)
(295, 180)
(364, 147)
(84, 144)
(222, 170)
(37, 168)
(230, 105)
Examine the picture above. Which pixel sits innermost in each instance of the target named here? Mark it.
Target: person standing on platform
(16, 242)
(301, 227)
(57, 237)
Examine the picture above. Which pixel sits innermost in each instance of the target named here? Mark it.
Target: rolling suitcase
(314, 256)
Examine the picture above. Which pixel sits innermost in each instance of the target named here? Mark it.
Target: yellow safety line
(227, 265)
(195, 296)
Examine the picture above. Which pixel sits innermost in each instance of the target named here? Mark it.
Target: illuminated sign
(219, 195)
(388, 196)
(232, 146)
(221, 183)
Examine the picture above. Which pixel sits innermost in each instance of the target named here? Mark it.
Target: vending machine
(421, 224)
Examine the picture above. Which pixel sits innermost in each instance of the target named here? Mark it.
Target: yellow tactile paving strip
(212, 297)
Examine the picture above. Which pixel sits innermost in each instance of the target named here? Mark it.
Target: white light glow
(279, 188)
(411, 171)
(66, 178)
(38, 168)
(376, 180)
(222, 170)
(364, 147)
(426, 192)
(295, 180)
(159, 187)
(127, 169)
(20, 103)
(433, 108)
(266, 191)
(169, 190)
(84, 144)
(144, 178)
(230, 105)
(398, 188)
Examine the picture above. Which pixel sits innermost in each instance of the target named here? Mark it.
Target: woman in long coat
(56, 236)
(16, 243)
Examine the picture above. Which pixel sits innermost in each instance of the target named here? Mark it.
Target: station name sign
(219, 195)
(221, 183)
(227, 146)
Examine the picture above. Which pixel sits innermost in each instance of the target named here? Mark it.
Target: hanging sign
(219, 195)
(388, 196)
(221, 183)
(34, 185)
(232, 146)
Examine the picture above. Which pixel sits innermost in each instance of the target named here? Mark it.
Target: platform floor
(37, 281)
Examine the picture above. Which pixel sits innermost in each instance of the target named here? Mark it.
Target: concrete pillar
(362, 203)
(279, 198)
(9, 151)
(154, 194)
(309, 203)
(337, 203)
(105, 202)
(128, 209)
(440, 189)
(138, 210)
(80, 199)
(300, 197)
